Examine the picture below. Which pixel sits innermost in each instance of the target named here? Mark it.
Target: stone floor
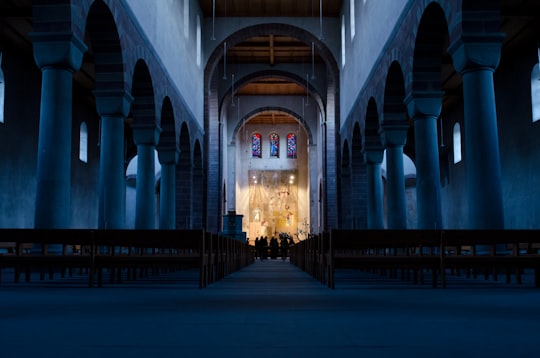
(269, 309)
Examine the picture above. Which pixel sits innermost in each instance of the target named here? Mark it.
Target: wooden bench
(442, 252)
(491, 252)
(33, 251)
(383, 250)
(96, 250)
(138, 251)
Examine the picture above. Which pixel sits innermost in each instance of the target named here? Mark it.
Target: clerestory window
(457, 142)
(83, 143)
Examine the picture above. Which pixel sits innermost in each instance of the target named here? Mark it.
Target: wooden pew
(490, 252)
(141, 250)
(32, 251)
(383, 250)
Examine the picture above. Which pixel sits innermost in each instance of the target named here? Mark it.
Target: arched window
(186, 18)
(256, 145)
(2, 91)
(291, 145)
(199, 44)
(343, 41)
(83, 143)
(535, 91)
(457, 142)
(274, 144)
(353, 20)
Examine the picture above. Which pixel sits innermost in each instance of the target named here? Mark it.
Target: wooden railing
(409, 254)
(123, 254)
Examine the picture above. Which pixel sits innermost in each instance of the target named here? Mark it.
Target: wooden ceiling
(270, 8)
(271, 49)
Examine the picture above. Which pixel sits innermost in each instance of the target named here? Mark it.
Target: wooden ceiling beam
(272, 59)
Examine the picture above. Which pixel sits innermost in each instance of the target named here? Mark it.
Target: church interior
(124, 115)
(131, 120)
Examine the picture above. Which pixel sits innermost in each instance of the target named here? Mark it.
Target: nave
(268, 309)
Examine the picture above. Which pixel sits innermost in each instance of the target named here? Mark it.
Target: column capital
(168, 156)
(374, 156)
(394, 134)
(146, 134)
(422, 104)
(476, 50)
(113, 102)
(58, 49)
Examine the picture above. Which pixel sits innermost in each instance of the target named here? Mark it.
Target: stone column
(167, 204)
(58, 55)
(394, 137)
(476, 57)
(425, 108)
(375, 211)
(145, 137)
(113, 107)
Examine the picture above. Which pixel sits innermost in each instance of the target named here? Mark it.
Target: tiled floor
(270, 309)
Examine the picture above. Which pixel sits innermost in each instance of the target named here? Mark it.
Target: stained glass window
(291, 145)
(274, 144)
(256, 145)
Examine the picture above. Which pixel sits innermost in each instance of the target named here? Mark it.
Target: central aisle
(268, 309)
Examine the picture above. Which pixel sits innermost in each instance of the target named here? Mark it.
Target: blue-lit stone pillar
(476, 58)
(146, 138)
(167, 196)
(424, 108)
(375, 212)
(113, 107)
(394, 136)
(58, 56)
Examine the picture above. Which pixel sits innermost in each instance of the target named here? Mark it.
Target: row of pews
(119, 254)
(411, 254)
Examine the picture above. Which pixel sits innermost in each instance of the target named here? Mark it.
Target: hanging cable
(213, 20)
(312, 60)
(232, 91)
(320, 20)
(307, 89)
(225, 60)
(442, 136)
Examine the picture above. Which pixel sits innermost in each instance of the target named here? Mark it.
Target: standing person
(263, 245)
(284, 246)
(257, 248)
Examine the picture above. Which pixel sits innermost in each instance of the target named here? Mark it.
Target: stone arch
(144, 109)
(289, 76)
(198, 197)
(105, 48)
(212, 110)
(244, 119)
(395, 126)
(276, 29)
(345, 186)
(394, 109)
(372, 137)
(429, 51)
(184, 177)
(358, 179)
(167, 139)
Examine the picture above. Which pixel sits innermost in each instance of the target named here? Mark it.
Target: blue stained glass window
(256, 145)
(291, 145)
(274, 145)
